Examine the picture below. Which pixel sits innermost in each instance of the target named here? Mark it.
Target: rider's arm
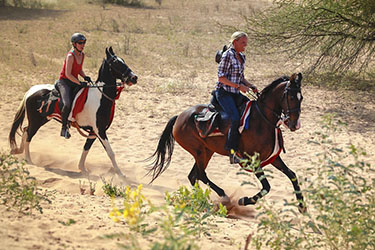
(252, 86)
(241, 87)
(82, 73)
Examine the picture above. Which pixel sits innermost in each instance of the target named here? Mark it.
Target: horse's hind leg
(198, 173)
(265, 189)
(280, 165)
(28, 135)
(84, 154)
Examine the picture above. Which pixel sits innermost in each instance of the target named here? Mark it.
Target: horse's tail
(17, 124)
(166, 143)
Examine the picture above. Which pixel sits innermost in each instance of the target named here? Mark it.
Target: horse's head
(119, 69)
(291, 102)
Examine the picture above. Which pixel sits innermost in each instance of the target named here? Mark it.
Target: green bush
(18, 190)
(189, 217)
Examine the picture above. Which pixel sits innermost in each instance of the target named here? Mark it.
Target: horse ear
(299, 77)
(292, 78)
(107, 53)
(111, 51)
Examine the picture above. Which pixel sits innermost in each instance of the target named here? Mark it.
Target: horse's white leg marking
(27, 150)
(111, 155)
(82, 161)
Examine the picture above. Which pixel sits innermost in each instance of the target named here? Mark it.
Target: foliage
(132, 210)
(196, 206)
(337, 34)
(112, 190)
(18, 190)
(186, 221)
(341, 201)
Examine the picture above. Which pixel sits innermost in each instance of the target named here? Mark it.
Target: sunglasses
(83, 42)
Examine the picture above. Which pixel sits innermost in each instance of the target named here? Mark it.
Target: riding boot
(232, 145)
(65, 128)
(65, 132)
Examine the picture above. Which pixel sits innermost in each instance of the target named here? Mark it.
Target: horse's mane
(271, 86)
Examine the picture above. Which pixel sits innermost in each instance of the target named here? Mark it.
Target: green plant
(132, 208)
(340, 196)
(68, 223)
(18, 190)
(112, 190)
(195, 207)
(180, 225)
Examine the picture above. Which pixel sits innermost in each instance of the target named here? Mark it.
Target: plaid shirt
(232, 69)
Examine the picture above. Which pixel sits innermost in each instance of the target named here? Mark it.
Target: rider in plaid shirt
(231, 81)
(232, 69)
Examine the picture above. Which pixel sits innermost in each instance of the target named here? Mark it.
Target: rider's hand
(87, 79)
(83, 84)
(255, 90)
(244, 88)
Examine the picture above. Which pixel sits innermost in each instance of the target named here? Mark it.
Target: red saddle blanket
(79, 103)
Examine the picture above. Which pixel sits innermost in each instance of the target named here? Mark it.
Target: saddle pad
(244, 122)
(78, 103)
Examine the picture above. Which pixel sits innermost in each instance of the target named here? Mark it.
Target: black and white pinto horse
(95, 116)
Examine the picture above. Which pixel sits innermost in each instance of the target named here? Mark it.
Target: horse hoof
(84, 171)
(119, 173)
(15, 151)
(225, 200)
(244, 201)
(302, 209)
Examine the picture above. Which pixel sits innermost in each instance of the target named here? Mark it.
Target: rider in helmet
(68, 79)
(230, 82)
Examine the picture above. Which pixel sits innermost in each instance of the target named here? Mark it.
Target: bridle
(285, 95)
(123, 75)
(285, 115)
(112, 69)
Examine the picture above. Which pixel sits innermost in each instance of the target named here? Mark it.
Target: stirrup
(65, 132)
(234, 158)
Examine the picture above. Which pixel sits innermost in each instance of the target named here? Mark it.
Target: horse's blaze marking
(299, 96)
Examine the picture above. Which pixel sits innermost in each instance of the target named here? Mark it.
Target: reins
(280, 117)
(105, 86)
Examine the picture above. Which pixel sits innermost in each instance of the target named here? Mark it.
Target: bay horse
(279, 102)
(95, 117)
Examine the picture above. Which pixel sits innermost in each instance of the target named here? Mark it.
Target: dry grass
(175, 40)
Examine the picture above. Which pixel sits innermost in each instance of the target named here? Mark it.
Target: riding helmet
(78, 37)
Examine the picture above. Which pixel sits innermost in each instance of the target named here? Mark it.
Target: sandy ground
(140, 117)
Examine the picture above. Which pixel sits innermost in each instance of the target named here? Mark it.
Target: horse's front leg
(265, 189)
(84, 154)
(280, 165)
(104, 140)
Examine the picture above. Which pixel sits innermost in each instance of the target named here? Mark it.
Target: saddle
(50, 102)
(210, 119)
